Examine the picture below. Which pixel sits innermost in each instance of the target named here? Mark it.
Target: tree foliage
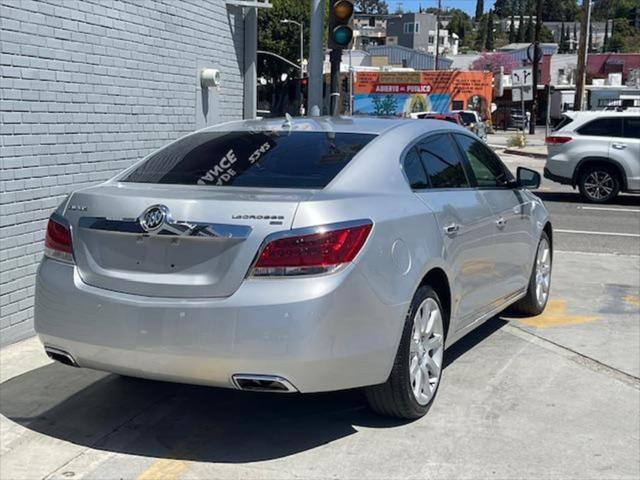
(479, 9)
(282, 38)
(560, 11)
(377, 7)
(489, 42)
(492, 62)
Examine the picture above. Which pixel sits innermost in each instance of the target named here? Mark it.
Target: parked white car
(472, 121)
(598, 152)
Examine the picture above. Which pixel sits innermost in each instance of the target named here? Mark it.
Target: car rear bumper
(320, 334)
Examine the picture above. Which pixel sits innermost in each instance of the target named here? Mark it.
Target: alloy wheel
(543, 272)
(599, 185)
(426, 351)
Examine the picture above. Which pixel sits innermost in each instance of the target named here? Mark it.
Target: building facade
(418, 31)
(369, 29)
(88, 88)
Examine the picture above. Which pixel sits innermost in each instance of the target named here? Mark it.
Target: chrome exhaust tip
(263, 383)
(61, 356)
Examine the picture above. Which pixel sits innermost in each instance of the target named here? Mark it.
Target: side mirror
(528, 178)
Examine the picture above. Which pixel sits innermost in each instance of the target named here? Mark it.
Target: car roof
(598, 113)
(344, 124)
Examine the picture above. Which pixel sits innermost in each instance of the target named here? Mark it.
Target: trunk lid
(201, 246)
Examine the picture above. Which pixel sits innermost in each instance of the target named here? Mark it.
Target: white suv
(599, 152)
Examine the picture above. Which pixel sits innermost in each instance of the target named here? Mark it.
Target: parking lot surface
(553, 396)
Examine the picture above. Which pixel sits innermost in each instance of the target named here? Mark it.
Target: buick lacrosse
(295, 255)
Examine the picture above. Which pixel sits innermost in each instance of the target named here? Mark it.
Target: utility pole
(316, 58)
(537, 53)
(438, 35)
(578, 100)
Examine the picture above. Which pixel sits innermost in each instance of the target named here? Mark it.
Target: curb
(542, 156)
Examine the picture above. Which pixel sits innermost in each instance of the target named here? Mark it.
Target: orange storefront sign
(401, 93)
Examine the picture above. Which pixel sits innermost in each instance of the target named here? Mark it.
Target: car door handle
(501, 222)
(619, 146)
(452, 229)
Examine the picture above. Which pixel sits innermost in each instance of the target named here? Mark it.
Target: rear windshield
(252, 159)
(467, 118)
(566, 120)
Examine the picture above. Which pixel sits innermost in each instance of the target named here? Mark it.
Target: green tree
(575, 37)
(606, 36)
(488, 45)
(479, 9)
(281, 38)
(560, 10)
(521, 26)
(562, 46)
(512, 29)
(528, 35)
(378, 7)
(460, 23)
(481, 33)
(546, 35)
(625, 38)
(503, 8)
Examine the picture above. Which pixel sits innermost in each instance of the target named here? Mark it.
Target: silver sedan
(300, 255)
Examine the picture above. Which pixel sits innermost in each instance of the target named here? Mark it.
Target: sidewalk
(535, 143)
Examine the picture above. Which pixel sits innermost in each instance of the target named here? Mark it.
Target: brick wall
(88, 87)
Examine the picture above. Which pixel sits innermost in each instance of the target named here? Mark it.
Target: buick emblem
(153, 218)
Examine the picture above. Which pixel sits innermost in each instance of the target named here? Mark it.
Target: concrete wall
(87, 88)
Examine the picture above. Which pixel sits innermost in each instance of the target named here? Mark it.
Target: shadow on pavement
(157, 419)
(574, 197)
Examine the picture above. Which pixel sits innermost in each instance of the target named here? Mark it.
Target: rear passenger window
(632, 127)
(486, 166)
(602, 127)
(414, 170)
(442, 162)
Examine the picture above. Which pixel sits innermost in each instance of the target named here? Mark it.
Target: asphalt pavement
(583, 227)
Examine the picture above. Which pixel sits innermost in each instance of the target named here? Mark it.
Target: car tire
(406, 395)
(599, 183)
(537, 296)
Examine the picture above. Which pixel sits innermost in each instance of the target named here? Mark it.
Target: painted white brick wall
(88, 87)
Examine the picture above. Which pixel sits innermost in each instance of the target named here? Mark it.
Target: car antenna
(287, 122)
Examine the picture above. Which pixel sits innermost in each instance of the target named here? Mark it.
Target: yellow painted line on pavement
(555, 315)
(632, 299)
(165, 469)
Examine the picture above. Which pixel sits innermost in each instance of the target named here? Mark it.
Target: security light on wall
(209, 77)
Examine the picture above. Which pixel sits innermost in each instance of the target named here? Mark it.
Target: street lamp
(286, 20)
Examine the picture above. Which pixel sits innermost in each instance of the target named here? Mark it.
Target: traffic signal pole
(316, 58)
(340, 35)
(335, 58)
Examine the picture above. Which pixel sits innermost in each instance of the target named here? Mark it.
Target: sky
(468, 6)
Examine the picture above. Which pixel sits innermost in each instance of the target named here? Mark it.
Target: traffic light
(340, 23)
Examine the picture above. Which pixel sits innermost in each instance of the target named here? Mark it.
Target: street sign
(519, 94)
(521, 77)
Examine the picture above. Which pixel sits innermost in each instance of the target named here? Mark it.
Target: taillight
(57, 240)
(553, 140)
(322, 251)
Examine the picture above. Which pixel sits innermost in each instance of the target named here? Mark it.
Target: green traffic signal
(342, 35)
